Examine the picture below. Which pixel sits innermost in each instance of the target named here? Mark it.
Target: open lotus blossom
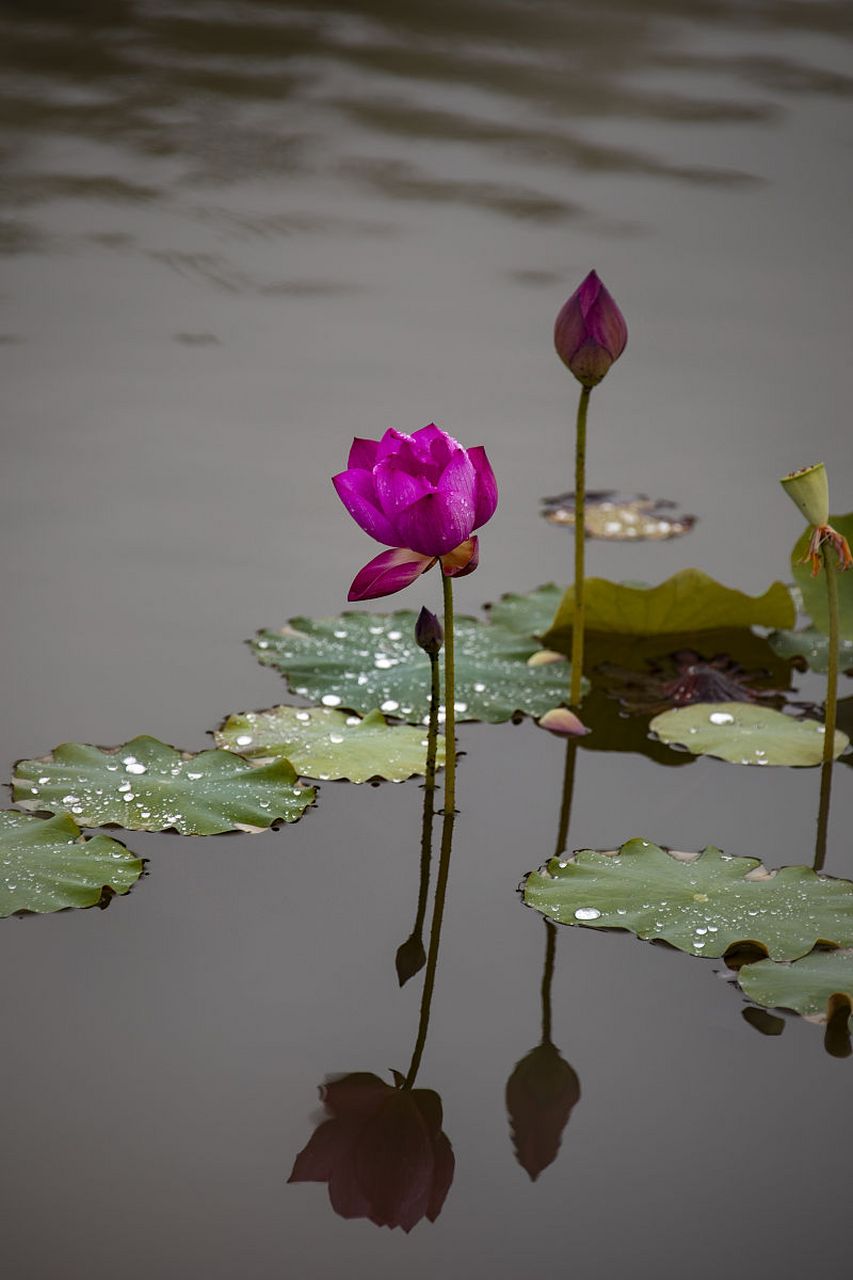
(590, 332)
(382, 1152)
(423, 495)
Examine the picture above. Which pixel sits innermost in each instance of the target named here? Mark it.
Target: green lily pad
(360, 661)
(745, 733)
(688, 601)
(47, 865)
(148, 786)
(530, 614)
(322, 742)
(812, 646)
(814, 589)
(704, 903)
(618, 517)
(807, 986)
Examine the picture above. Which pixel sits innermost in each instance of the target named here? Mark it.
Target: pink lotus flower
(382, 1152)
(423, 495)
(590, 332)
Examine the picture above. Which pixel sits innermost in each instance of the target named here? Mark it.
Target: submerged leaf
(360, 661)
(47, 865)
(811, 647)
(617, 517)
(814, 589)
(322, 742)
(704, 903)
(148, 786)
(743, 733)
(811, 986)
(688, 601)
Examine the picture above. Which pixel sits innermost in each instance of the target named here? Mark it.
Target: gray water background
(234, 236)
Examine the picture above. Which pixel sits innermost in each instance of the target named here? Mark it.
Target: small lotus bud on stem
(590, 332)
(428, 633)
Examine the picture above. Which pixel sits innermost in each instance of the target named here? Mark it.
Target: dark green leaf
(360, 661)
(148, 786)
(47, 865)
(703, 903)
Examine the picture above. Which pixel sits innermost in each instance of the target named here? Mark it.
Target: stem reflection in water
(543, 1089)
(411, 955)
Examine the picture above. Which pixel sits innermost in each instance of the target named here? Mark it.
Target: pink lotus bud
(590, 332)
(563, 721)
(428, 632)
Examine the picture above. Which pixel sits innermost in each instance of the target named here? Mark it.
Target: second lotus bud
(429, 633)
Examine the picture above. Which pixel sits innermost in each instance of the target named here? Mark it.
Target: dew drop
(587, 913)
(330, 700)
(244, 740)
(721, 717)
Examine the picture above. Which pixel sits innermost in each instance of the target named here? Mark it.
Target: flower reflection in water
(381, 1151)
(381, 1148)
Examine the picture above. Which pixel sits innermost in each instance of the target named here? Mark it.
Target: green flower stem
(432, 731)
(434, 937)
(823, 815)
(449, 700)
(580, 538)
(829, 714)
(429, 797)
(830, 570)
(547, 978)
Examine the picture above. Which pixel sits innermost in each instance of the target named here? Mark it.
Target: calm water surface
(233, 236)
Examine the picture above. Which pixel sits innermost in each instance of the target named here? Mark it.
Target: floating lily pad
(744, 733)
(360, 661)
(618, 517)
(321, 742)
(688, 601)
(814, 589)
(811, 647)
(47, 865)
(808, 986)
(530, 614)
(148, 786)
(704, 903)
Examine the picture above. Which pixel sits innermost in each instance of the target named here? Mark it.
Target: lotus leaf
(688, 601)
(530, 614)
(148, 786)
(807, 986)
(617, 517)
(814, 589)
(745, 733)
(811, 647)
(704, 903)
(47, 865)
(360, 661)
(322, 742)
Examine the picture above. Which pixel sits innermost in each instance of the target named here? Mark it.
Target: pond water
(234, 236)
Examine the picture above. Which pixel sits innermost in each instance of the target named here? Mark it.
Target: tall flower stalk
(808, 489)
(589, 334)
